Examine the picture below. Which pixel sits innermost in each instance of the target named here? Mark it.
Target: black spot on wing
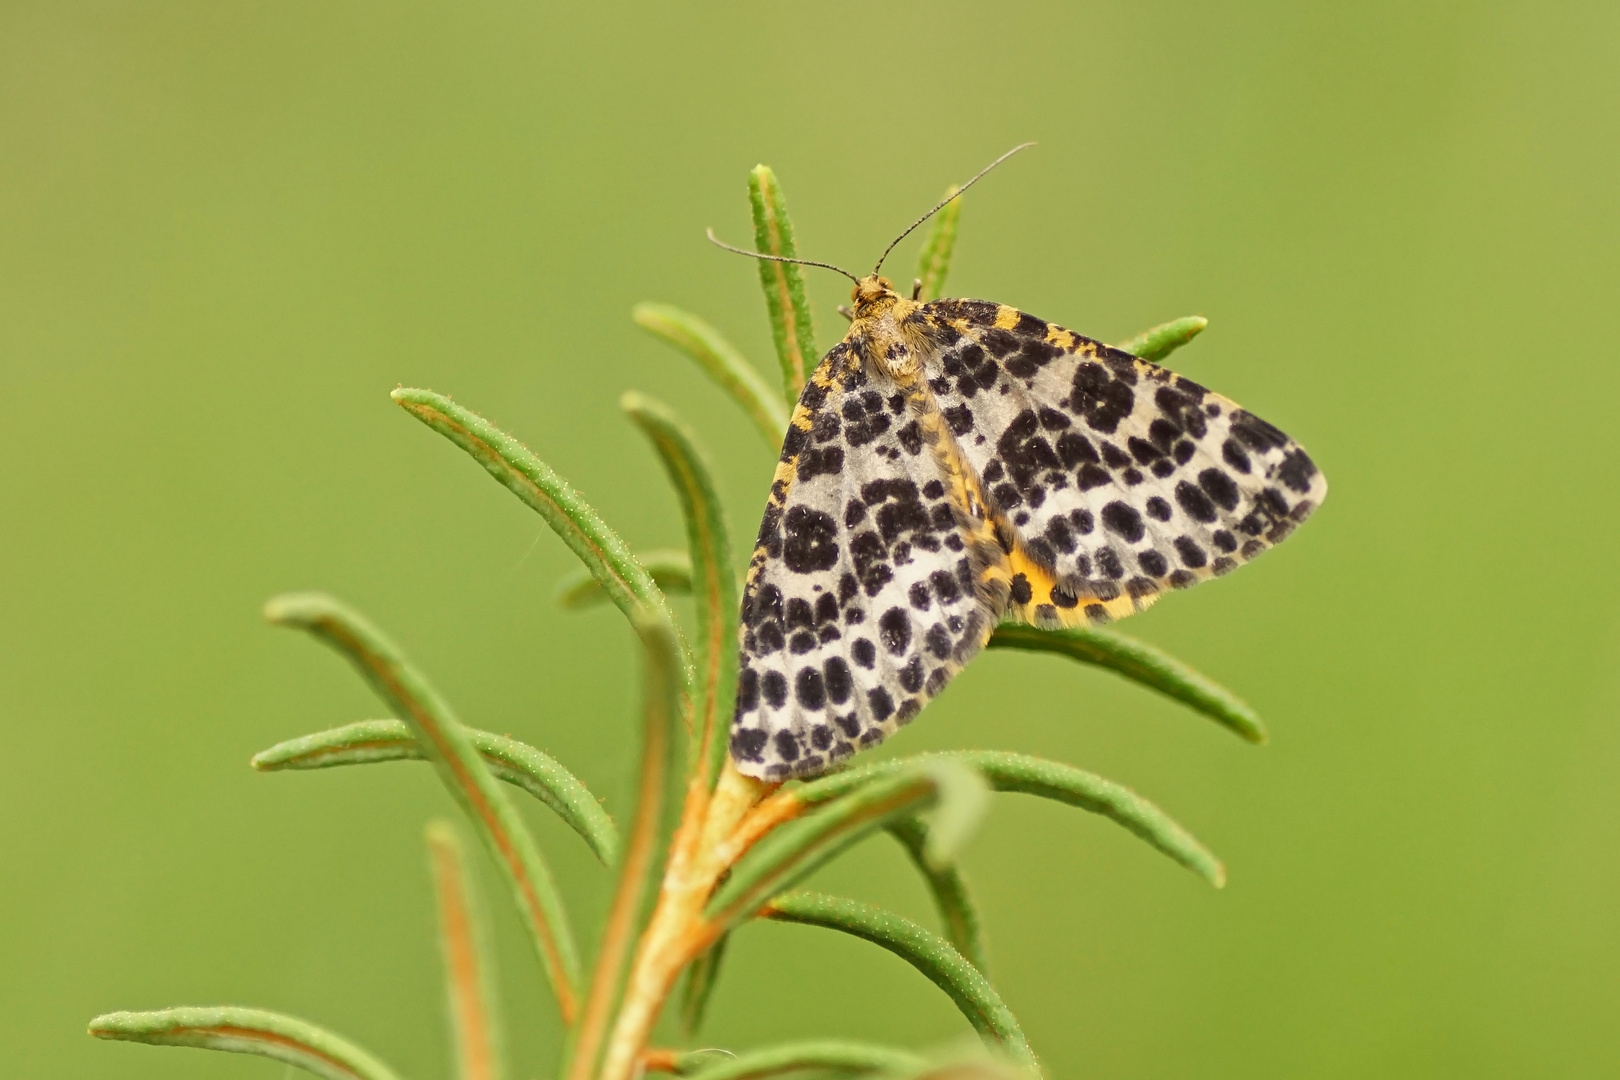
(1123, 519)
(973, 312)
(865, 418)
(1296, 471)
(820, 461)
(1101, 397)
(960, 418)
(748, 744)
(809, 689)
(1255, 433)
(1219, 487)
(811, 540)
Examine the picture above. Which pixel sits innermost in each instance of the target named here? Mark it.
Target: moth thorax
(890, 350)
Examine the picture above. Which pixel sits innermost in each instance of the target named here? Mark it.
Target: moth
(958, 463)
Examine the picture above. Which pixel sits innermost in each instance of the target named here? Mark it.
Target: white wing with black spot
(1121, 477)
(864, 594)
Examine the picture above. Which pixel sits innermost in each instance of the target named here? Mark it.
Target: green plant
(703, 848)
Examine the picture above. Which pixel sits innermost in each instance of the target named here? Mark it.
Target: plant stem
(645, 841)
(468, 966)
(705, 848)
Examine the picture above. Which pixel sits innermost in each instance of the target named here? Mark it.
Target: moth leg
(843, 309)
(916, 288)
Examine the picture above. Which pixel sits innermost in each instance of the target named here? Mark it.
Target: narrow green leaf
(1141, 663)
(1034, 776)
(797, 849)
(670, 570)
(517, 763)
(979, 1067)
(722, 362)
(701, 976)
(949, 888)
(460, 768)
(1164, 339)
(659, 794)
(926, 951)
(247, 1031)
(469, 965)
(783, 283)
(935, 261)
(964, 800)
(824, 1054)
(606, 556)
(713, 577)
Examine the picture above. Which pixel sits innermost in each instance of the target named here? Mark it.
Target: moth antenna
(946, 201)
(717, 242)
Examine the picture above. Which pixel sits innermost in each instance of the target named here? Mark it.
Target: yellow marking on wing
(1043, 611)
(787, 470)
(1063, 339)
(997, 567)
(1006, 317)
(962, 488)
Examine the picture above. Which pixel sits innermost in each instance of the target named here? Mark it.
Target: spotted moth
(957, 463)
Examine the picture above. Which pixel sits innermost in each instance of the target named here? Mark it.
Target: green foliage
(935, 260)
(827, 1055)
(949, 888)
(445, 743)
(796, 850)
(519, 764)
(704, 849)
(783, 282)
(247, 1031)
(1141, 663)
(1164, 339)
(671, 571)
(1004, 771)
(469, 964)
(929, 953)
(721, 362)
(713, 580)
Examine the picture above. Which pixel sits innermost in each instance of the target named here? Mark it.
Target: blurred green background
(229, 229)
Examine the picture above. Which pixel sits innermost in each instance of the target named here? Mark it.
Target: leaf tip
(297, 608)
(648, 315)
(415, 400)
(964, 799)
(441, 834)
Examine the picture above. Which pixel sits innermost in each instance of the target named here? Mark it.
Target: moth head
(871, 295)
